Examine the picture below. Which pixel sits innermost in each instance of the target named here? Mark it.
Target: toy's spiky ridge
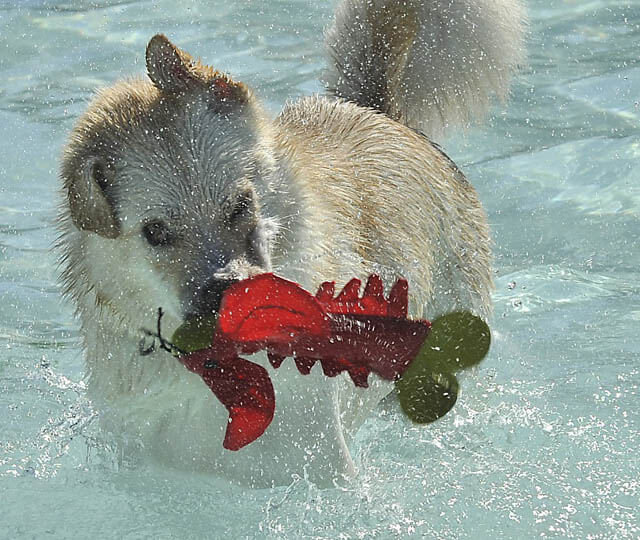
(348, 332)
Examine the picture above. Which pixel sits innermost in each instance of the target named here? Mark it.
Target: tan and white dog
(178, 185)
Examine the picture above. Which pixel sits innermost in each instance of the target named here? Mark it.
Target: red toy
(352, 333)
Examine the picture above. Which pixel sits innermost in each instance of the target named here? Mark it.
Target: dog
(177, 185)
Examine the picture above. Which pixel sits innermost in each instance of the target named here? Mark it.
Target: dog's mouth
(207, 299)
(196, 331)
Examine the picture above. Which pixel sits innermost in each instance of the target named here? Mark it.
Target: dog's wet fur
(179, 184)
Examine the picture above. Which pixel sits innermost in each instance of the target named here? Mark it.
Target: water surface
(544, 439)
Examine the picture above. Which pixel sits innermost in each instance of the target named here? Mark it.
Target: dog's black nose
(210, 296)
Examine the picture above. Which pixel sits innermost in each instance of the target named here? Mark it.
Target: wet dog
(179, 184)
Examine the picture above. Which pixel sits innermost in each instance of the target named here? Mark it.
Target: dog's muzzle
(207, 300)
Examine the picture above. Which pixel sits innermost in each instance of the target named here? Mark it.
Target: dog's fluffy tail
(429, 64)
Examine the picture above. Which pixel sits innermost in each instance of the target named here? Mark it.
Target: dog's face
(164, 184)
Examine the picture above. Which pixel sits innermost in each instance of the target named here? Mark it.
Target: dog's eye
(243, 204)
(99, 173)
(157, 233)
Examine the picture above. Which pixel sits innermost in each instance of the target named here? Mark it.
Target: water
(544, 439)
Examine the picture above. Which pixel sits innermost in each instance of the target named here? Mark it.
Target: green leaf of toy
(457, 341)
(425, 397)
(428, 388)
(195, 334)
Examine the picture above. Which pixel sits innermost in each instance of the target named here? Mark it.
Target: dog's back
(427, 66)
(395, 203)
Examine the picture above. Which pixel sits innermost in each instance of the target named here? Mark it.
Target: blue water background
(544, 440)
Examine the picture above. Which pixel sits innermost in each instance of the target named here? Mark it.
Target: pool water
(544, 439)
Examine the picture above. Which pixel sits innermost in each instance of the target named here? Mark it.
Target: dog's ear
(168, 67)
(174, 71)
(88, 202)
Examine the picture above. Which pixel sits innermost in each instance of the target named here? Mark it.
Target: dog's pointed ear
(89, 205)
(174, 71)
(168, 67)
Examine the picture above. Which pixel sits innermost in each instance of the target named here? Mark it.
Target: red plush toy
(352, 333)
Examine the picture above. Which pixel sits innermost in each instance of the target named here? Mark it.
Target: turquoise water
(544, 439)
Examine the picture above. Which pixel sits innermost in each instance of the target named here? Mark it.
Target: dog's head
(165, 183)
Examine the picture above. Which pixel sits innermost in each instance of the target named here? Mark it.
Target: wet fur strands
(178, 184)
(430, 64)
